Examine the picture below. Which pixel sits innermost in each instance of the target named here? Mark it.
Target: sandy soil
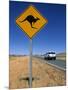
(43, 74)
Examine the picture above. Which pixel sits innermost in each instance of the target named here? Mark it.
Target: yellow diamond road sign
(31, 21)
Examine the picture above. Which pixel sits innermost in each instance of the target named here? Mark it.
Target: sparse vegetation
(43, 74)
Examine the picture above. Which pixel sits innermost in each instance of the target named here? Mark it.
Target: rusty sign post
(31, 21)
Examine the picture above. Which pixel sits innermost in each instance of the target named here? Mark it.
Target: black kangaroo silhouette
(31, 19)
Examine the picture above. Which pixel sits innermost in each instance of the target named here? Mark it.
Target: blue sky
(52, 36)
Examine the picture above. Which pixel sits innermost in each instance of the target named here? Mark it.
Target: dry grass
(61, 58)
(44, 75)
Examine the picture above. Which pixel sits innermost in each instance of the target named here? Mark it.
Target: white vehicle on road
(50, 56)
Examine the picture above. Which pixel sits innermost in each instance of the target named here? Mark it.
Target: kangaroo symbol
(31, 20)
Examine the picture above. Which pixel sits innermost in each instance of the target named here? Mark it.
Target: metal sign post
(30, 65)
(31, 21)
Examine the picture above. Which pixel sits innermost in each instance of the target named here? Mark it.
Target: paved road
(58, 63)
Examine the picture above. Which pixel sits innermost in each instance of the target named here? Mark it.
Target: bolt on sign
(31, 21)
